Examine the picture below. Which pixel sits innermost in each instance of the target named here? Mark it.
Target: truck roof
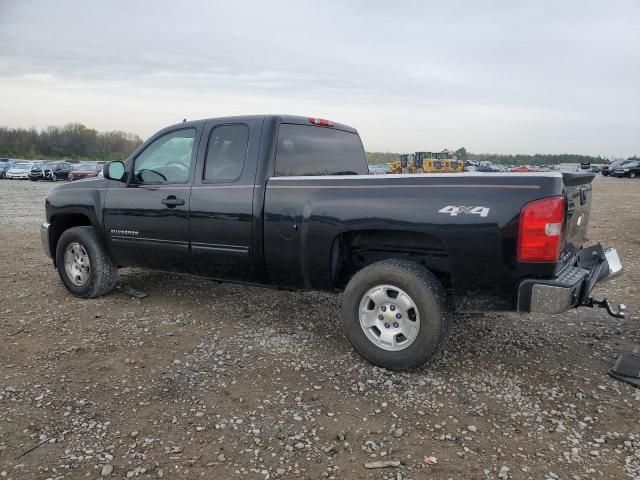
(295, 119)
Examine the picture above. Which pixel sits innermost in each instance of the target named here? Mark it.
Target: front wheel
(394, 313)
(83, 264)
(632, 175)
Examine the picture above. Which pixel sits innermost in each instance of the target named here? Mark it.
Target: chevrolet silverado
(288, 202)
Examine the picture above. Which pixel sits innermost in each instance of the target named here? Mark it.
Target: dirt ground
(217, 381)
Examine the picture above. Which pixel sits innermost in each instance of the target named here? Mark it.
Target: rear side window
(308, 150)
(226, 153)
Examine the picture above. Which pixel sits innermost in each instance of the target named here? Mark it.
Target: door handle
(171, 201)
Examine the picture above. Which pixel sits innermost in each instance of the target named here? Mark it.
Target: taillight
(321, 122)
(540, 232)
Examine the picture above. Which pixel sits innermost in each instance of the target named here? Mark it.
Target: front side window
(226, 153)
(311, 150)
(167, 159)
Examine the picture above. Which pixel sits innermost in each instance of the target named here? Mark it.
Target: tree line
(72, 141)
(76, 141)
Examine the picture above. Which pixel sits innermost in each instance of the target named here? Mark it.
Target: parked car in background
(19, 171)
(377, 169)
(607, 169)
(629, 169)
(595, 168)
(52, 171)
(523, 169)
(470, 165)
(5, 164)
(84, 170)
(488, 167)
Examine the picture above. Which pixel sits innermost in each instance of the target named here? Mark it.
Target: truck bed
(463, 225)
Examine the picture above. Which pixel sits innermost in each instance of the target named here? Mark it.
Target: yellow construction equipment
(442, 166)
(395, 167)
(406, 164)
(429, 162)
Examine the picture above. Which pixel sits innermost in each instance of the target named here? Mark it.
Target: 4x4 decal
(454, 210)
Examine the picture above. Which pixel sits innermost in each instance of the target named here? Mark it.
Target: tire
(632, 175)
(99, 276)
(430, 315)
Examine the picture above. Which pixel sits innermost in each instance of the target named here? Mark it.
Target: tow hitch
(604, 303)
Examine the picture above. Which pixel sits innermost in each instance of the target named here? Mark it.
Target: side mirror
(114, 171)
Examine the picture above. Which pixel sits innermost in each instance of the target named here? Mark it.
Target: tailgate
(578, 193)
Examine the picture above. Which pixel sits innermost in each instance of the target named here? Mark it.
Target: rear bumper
(573, 285)
(44, 237)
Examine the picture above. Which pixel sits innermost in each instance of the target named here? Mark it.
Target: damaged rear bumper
(573, 285)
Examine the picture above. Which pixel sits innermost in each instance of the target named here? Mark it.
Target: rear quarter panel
(304, 215)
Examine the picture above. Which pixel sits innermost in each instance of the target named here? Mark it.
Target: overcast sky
(502, 76)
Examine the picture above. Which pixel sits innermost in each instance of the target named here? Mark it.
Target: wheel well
(352, 251)
(60, 223)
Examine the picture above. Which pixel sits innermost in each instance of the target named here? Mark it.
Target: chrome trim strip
(148, 240)
(420, 175)
(452, 185)
(197, 247)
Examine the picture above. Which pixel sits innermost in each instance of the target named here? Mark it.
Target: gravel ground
(206, 380)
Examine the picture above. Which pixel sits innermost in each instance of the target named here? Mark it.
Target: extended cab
(288, 202)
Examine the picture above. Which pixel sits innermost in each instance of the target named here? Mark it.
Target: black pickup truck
(288, 202)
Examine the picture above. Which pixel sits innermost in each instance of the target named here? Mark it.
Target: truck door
(147, 220)
(223, 223)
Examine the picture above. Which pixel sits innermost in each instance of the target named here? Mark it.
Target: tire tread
(104, 273)
(431, 292)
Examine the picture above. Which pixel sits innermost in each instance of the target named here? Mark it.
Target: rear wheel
(83, 265)
(394, 313)
(632, 175)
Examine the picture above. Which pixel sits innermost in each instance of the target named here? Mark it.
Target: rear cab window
(305, 150)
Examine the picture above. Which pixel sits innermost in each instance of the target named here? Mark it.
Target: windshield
(22, 165)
